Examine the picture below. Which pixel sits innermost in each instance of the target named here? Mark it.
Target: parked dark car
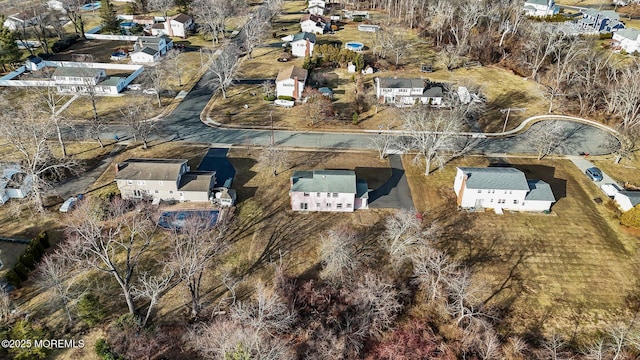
(594, 174)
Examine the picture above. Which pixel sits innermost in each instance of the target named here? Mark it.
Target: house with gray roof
(603, 21)
(627, 39)
(501, 188)
(328, 190)
(163, 179)
(407, 92)
(302, 44)
(540, 7)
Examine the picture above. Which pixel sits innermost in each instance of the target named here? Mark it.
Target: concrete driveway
(583, 164)
(395, 193)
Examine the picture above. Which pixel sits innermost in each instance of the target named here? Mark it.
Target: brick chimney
(295, 87)
(307, 50)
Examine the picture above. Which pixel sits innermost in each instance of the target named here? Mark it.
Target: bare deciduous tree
(5, 304)
(384, 140)
(213, 14)
(225, 69)
(254, 31)
(340, 254)
(433, 270)
(28, 135)
(463, 296)
(151, 288)
(546, 136)
(57, 273)
(378, 303)
(194, 248)
(434, 134)
(274, 158)
(110, 240)
(174, 64)
(74, 11)
(401, 236)
(136, 116)
(154, 77)
(53, 102)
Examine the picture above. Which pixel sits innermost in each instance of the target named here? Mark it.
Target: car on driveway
(594, 174)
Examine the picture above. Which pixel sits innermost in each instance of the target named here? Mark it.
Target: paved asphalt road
(395, 192)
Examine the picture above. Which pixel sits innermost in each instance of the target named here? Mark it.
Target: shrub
(44, 239)
(104, 351)
(355, 118)
(24, 330)
(631, 218)
(285, 97)
(12, 277)
(28, 260)
(21, 271)
(65, 42)
(270, 98)
(623, 52)
(605, 36)
(90, 310)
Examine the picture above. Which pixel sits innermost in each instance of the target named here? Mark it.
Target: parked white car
(150, 91)
(284, 103)
(135, 87)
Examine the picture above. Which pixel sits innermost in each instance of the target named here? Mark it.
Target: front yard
(566, 269)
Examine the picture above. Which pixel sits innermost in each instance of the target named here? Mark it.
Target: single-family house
(144, 20)
(627, 200)
(540, 7)
(178, 25)
(83, 80)
(316, 9)
(291, 81)
(328, 190)
(20, 20)
(501, 188)
(407, 92)
(315, 24)
(56, 5)
(14, 183)
(322, 3)
(302, 44)
(149, 49)
(163, 179)
(604, 21)
(627, 39)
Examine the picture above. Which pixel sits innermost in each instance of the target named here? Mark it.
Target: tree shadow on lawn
(509, 99)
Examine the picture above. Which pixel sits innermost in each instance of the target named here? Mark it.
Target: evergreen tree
(9, 51)
(110, 22)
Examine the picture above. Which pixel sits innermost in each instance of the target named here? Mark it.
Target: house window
(515, 202)
(171, 192)
(129, 182)
(501, 201)
(328, 194)
(510, 192)
(141, 182)
(328, 205)
(304, 206)
(318, 194)
(479, 191)
(317, 205)
(306, 194)
(339, 206)
(348, 206)
(156, 191)
(335, 194)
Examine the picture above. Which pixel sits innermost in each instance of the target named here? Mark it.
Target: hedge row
(28, 260)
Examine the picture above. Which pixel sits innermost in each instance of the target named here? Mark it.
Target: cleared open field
(568, 270)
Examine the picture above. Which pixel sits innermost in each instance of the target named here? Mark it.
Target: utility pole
(272, 135)
(508, 111)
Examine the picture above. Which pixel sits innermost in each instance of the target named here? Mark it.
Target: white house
(177, 25)
(315, 24)
(56, 5)
(540, 7)
(627, 200)
(406, 92)
(82, 80)
(322, 3)
(316, 9)
(328, 190)
(163, 179)
(34, 63)
(149, 49)
(14, 184)
(291, 82)
(628, 39)
(19, 20)
(501, 188)
(302, 44)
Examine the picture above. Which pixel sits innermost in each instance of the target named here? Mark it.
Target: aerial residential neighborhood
(319, 179)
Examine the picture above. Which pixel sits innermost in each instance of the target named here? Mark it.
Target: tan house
(163, 179)
(291, 81)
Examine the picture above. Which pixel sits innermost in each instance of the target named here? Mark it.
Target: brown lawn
(571, 268)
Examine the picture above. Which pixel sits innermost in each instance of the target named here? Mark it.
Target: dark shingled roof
(291, 72)
(197, 181)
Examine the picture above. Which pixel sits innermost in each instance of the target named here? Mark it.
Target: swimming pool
(354, 46)
(177, 219)
(127, 25)
(91, 6)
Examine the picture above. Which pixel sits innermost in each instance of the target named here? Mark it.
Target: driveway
(395, 193)
(583, 164)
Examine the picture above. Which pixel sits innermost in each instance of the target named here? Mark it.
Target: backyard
(564, 270)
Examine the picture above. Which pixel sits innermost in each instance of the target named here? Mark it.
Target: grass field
(567, 270)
